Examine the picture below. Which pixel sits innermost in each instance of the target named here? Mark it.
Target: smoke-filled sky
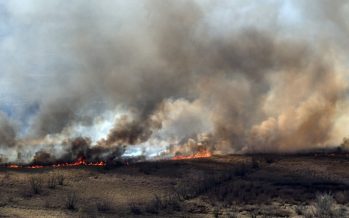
(160, 77)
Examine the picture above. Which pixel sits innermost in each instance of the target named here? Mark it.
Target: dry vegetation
(230, 186)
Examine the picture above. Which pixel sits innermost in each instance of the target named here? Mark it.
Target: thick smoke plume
(169, 77)
(7, 132)
(79, 148)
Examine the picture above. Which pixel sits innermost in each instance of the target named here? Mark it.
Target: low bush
(71, 201)
(172, 202)
(60, 179)
(52, 182)
(241, 170)
(35, 185)
(269, 159)
(325, 207)
(167, 202)
(135, 208)
(103, 206)
(154, 206)
(254, 163)
(342, 197)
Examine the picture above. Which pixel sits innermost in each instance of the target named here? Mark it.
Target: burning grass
(81, 161)
(203, 153)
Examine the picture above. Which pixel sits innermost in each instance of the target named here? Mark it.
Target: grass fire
(203, 153)
(79, 162)
(163, 108)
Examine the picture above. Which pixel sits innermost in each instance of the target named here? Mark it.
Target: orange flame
(79, 162)
(13, 166)
(201, 154)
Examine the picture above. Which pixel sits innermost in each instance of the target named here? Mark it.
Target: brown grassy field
(221, 186)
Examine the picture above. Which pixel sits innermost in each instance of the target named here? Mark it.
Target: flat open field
(221, 186)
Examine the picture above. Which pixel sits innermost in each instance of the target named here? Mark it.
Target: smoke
(176, 77)
(76, 148)
(7, 132)
(129, 132)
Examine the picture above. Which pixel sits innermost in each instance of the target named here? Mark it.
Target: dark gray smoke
(79, 148)
(252, 78)
(7, 132)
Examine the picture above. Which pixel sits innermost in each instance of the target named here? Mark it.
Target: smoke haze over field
(158, 77)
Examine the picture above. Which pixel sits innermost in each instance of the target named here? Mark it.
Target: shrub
(60, 179)
(308, 214)
(35, 185)
(269, 159)
(48, 205)
(325, 207)
(216, 212)
(52, 182)
(324, 204)
(71, 201)
(241, 170)
(167, 202)
(255, 163)
(135, 208)
(171, 202)
(341, 197)
(154, 206)
(103, 206)
(300, 209)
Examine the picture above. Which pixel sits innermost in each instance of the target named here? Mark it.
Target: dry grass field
(220, 186)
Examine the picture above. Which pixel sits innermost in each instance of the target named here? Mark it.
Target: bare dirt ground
(221, 186)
